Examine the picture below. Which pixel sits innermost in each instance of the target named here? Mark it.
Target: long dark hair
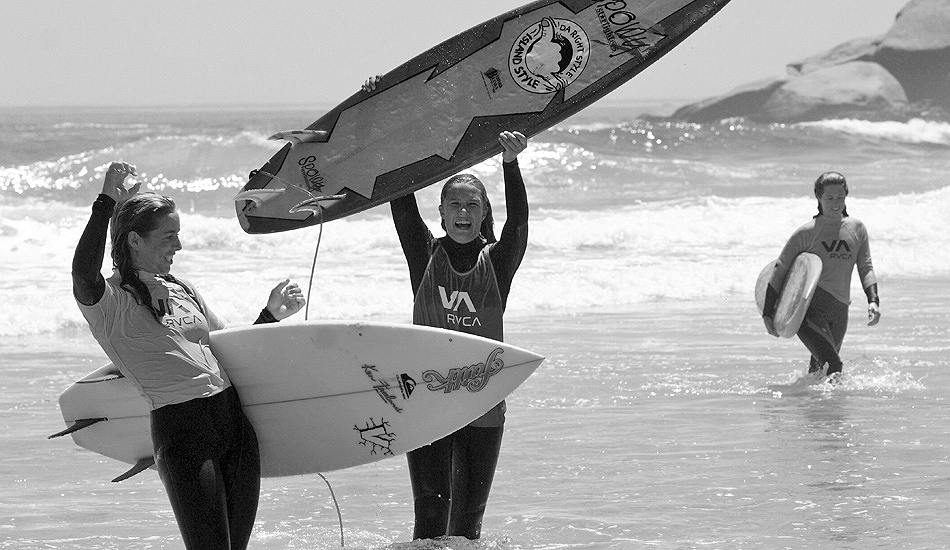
(488, 224)
(830, 178)
(140, 213)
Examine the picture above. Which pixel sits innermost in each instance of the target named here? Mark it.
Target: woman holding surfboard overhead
(154, 327)
(842, 243)
(461, 282)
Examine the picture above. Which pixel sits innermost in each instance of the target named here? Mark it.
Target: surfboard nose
(261, 186)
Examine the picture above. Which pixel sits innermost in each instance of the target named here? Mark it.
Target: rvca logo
(175, 313)
(834, 249)
(456, 299)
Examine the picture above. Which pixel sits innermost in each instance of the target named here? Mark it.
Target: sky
(297, 52)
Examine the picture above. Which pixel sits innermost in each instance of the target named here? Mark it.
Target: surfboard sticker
(441, 112)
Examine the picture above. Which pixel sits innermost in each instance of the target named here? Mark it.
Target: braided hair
(830, 178)
(140, 213)
(488, 224)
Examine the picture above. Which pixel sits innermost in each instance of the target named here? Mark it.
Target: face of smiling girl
(832, 200)
(462, 210)
(154, 251)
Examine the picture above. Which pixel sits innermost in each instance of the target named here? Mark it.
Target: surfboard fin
(77, 425)
(313, 204)
(142, 464)
(258, 196)
(300, 136)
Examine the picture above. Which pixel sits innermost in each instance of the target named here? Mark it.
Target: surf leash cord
(335, 503)
(319, 212)
(313, 268)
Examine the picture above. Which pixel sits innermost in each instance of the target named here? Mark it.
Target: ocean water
(664, 417)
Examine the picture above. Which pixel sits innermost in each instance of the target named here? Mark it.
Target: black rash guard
(88, 283)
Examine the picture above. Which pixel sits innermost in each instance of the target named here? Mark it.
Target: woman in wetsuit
(842, 243)
(154, 327)
(461, 282)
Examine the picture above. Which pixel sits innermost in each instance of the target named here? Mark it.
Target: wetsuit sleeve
(88, 283)
(871, 293)
(866, 268)
(507, 253)
(414, 237)
(265, 317)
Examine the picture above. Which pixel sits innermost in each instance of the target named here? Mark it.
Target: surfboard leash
(313, 268)
(335, 503)
(306, 316)
(319, 212)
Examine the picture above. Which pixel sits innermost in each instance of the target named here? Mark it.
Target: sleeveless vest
(467, 302)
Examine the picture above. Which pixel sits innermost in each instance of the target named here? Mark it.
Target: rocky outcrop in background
(903, 74)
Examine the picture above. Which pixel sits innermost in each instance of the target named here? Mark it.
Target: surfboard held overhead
(441, 111)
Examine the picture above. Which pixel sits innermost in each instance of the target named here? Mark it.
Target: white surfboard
(321, 395)
(794, 296)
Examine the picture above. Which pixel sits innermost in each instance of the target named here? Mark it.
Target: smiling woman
(154, 250)
(842, 244)
(155, 328)
(465, 209)
(461, 282)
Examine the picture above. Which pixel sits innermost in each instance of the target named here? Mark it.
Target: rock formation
(902, 74)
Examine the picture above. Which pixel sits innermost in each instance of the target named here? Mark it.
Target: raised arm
(88, 283)
(414, 236)
(509, 251)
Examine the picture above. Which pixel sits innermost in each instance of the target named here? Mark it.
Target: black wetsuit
(452, 477)
(206, 451)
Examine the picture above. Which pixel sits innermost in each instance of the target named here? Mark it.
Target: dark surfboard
(442, 111)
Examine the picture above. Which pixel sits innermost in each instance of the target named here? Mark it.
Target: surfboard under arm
(370, 402)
